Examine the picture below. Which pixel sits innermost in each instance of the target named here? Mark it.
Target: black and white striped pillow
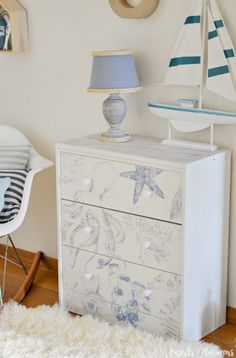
(14, 193)
(14, 157)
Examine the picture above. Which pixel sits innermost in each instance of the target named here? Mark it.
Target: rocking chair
(11, 137)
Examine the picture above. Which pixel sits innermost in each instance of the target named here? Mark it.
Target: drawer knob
(147, 244)
(87, 229)
(147, 193)
(147, 293)
(86, 181)
(88, 275)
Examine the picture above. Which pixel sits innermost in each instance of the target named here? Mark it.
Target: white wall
(43, 91)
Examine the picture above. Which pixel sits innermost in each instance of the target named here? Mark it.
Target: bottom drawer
(121, 284)
(166, 326)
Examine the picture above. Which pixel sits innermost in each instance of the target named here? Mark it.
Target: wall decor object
(114, 72)
(131, 10)
(187, 67)
(13, 27)
(137, 244)
(4, 30)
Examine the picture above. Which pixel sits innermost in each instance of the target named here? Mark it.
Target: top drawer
(141, 190)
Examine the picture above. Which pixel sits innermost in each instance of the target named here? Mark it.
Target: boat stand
(211, 147)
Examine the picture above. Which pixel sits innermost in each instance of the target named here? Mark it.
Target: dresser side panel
(225, 244)
(59, 225)
(206, 217)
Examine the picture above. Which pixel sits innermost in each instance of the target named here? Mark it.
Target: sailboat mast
(204, 28)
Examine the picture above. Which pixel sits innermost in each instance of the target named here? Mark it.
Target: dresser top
(141, 147)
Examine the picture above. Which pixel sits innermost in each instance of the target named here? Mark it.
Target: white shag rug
(51, 332)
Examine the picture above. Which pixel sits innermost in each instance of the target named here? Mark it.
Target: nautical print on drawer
(130, 286)
(120, 186)
(123, 315)
(177, 205)
(133, 238)
(144, 176)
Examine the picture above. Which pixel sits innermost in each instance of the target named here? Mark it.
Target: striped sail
(185, 64)
(219, 79)
(225, 39)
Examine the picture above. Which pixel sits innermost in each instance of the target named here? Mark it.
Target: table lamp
(114, 72)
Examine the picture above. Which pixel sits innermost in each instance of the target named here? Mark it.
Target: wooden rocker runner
(11, 137)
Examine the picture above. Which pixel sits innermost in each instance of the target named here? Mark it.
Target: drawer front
(147, 290)
(133, 238)
(151, 192)
(165, 326)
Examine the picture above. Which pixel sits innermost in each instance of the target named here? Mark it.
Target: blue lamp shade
(114, 72)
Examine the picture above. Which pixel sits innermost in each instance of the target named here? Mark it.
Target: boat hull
(191, 119)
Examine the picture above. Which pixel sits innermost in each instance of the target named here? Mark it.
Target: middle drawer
(133, 238)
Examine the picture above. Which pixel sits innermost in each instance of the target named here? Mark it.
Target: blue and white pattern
(177, 205)
(134, 238)
(144, 176)
(131, 291)
(135, 189)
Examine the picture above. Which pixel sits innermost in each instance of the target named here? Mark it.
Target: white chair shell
(37, 163)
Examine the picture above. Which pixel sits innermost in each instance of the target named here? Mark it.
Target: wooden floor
(45, 291)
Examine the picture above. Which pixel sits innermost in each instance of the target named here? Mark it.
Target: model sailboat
(187, 68)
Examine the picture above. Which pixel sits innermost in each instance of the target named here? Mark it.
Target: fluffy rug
(50, 332)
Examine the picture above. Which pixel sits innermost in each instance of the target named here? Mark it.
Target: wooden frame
(19, 27)
(29, 278)
(9, 254)
(123, 9)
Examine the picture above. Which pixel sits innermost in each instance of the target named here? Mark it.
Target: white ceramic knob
(147, 293)
(88, 275)
(87, 229)
(147, 244)
(86, 181)
(147, 193)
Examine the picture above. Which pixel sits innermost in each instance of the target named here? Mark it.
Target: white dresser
(143, 234)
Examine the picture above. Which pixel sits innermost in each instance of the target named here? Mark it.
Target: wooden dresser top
(147, 148)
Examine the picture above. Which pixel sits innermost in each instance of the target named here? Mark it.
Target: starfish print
(142, 176)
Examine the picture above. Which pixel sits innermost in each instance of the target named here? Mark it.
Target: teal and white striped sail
(225, 39)
(204, 56)
(219, 77)
(185, 64)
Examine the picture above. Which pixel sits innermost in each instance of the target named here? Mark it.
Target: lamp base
(114, 111)
(123, 137)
